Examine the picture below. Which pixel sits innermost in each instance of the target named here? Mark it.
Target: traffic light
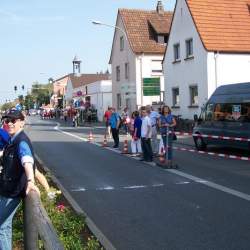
(22, 87)
(15, 88)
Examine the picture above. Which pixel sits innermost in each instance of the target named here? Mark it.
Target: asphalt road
(203, 205)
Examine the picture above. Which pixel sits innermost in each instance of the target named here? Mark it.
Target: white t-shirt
(144, 127)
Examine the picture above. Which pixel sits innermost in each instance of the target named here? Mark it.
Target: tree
(41, 93)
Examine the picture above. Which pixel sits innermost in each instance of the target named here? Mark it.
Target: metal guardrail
(37, 225)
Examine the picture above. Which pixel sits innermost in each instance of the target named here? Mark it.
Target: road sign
(151, 86)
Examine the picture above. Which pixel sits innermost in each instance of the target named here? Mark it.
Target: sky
(39, 39)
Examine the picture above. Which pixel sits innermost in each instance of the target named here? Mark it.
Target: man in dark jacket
(16, 175)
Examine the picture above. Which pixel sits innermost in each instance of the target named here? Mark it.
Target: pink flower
(60, 207)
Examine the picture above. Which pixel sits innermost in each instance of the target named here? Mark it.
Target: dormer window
(121, 43)
(161, 39)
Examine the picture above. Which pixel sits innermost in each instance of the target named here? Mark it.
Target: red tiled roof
(137, 26)
(84, 79)
(223, 25)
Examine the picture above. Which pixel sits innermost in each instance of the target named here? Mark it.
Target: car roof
(231, 93)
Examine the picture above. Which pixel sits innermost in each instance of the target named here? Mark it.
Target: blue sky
(40, 38)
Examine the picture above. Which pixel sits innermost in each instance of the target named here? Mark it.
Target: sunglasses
(12, 120)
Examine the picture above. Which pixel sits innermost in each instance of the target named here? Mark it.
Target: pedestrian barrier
(105, 143)
(213, 136)
(125, 147)
(213, 153)
(37, 225)
(90, 138)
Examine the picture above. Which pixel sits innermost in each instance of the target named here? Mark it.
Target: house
(59, 86)
(138, 48)
(91, 89)
(208, 46)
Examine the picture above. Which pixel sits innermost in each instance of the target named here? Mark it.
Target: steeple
(160, 8)
(76, 65)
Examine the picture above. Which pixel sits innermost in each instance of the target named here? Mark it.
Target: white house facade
(196, 62)
(136, 58)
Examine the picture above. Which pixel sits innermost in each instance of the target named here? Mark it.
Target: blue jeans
(169, 148)
(8, 207)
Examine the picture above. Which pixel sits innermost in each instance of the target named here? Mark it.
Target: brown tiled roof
(223, 25)
(84, 79)
(138, 25)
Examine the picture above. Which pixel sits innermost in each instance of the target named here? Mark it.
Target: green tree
(41, 93)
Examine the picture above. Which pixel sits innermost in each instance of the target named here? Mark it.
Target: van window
(232, 112)
(208, 112)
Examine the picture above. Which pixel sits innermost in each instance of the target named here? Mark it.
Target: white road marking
(135, 187)
(177, 172)
(182, 183)
(211, 184)
(79, 190)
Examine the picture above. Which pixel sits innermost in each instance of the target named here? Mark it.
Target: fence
(37, 225)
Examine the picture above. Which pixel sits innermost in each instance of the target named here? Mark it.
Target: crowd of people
(143, 126)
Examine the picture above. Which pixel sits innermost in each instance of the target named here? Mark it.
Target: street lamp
(115, 27)
(112, 26)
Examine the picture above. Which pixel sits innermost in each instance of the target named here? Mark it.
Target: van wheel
(199, 143)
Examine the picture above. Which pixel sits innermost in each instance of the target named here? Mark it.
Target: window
(176, 97)
(229, 112)
(161, 39)
(121, 43)
(193, 90)
(189, 48)
(119, 101)
(126, 70)
(156, 66)
(118, 73)
(176, 52)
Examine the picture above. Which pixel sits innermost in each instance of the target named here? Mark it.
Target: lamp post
(111, 26)
(115, 27)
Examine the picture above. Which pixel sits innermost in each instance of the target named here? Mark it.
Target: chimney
(160, 8)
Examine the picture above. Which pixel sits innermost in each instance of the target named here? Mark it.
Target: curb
(91, 225)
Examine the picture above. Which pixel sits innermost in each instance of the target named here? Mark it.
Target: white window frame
(118, 73)
(192, 89)
(126, 70)
(177, 48)
(121, 43)
(175, 100)
(189, 47)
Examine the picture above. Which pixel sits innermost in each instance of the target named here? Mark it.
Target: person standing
(166, 124)
(136, 134)
(146, 132)
(154, 116)
(17, 175)
(107, 116)
(114, 124)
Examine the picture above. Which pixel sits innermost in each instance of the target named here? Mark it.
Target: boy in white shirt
(146, 133)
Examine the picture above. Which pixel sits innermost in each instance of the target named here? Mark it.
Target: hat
(16, 114)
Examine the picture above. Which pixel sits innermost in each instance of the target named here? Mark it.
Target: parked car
(227, 113)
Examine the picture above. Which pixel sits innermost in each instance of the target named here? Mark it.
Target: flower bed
(70, 227)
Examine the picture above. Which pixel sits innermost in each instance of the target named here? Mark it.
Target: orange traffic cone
(125, 147)
(90, 138)
(162, 159)
(105, 143)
